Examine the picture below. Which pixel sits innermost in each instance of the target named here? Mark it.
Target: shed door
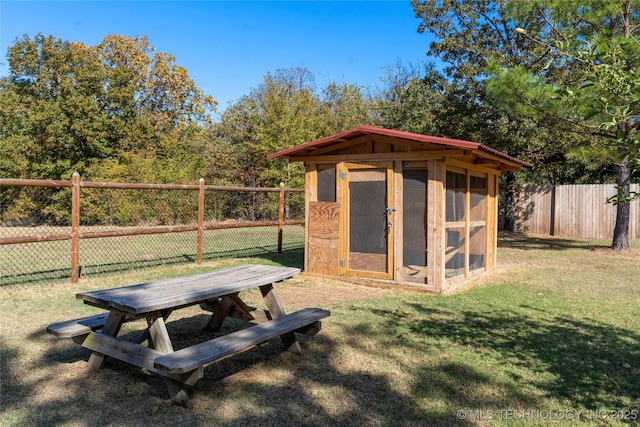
(370, 220)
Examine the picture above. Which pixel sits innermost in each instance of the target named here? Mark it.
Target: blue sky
(228, 46)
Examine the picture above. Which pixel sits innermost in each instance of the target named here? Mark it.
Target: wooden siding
(492, 222)
(575, 211)
(436, 225)
(323, 238)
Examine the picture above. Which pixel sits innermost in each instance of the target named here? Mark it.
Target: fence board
(572, 211)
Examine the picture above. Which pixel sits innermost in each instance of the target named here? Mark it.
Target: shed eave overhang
(308, 149)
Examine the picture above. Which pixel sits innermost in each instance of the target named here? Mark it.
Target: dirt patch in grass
(306, 290)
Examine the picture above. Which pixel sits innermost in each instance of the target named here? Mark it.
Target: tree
(68, 107)
(589, 83)
(289, 107)
(230, 160)
(49, 121)
(115, 111)
(285, 110)
(410, 99)
(281, 112)
(345, 106)
(471, 37)
(467, 33)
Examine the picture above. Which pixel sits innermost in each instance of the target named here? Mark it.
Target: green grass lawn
(551, 337)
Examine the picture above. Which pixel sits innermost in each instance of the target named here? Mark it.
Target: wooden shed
(398, 207)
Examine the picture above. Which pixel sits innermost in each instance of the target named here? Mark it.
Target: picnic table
(216, 292)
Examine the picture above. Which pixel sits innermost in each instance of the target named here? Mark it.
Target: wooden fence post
(280, 217)
(200, 222)
(75, 227)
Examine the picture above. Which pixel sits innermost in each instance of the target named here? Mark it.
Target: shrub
(164, 213)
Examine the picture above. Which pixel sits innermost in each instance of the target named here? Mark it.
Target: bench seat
(77, 327)
(200, 355)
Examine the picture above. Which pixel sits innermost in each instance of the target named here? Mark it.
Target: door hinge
(342, 263)
(342, 175)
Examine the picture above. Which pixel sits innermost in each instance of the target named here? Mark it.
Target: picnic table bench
(215, 291)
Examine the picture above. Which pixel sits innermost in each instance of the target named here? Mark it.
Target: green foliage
(118, 111)
(595, 47)
(164, 213)
(70, 107)
(345, 106)
(410, 99)
(589, 83)
(623, 196)
(481, 38)
(186, 211)
(95, 210)
(285, 110)
(57, 207)
(20, 211)
(567, 67)
(33, 206)
(125, 212)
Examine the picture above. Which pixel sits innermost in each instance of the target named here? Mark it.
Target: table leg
(220, 314)
(111, 327)
(276, 310)
(150, 321)
(177, 392)
(244, 311)
(160, 336)
(162, 342)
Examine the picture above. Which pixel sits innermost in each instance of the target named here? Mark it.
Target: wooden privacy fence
(575, 211)
(16, 233)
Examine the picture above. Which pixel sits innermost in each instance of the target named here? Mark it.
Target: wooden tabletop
(188, 290)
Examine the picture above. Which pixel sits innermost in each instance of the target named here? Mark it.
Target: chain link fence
(53, 231)
(28, 213)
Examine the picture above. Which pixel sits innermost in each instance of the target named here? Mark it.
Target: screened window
(455, 214)
(414, 225)
(456, 196)
(327, 184)
(477, 212)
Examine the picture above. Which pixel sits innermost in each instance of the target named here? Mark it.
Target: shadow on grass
(10, 383)
(122, 393)
(288, 258)
(583, 362)
(524, 242)
(33, 277)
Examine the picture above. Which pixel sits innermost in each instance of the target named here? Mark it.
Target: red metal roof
(372, 130)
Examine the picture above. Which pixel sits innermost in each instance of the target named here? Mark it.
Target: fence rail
(44, 223)
(574, 211)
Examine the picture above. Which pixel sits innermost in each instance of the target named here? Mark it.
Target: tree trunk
(623, 213)
(625, 168)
